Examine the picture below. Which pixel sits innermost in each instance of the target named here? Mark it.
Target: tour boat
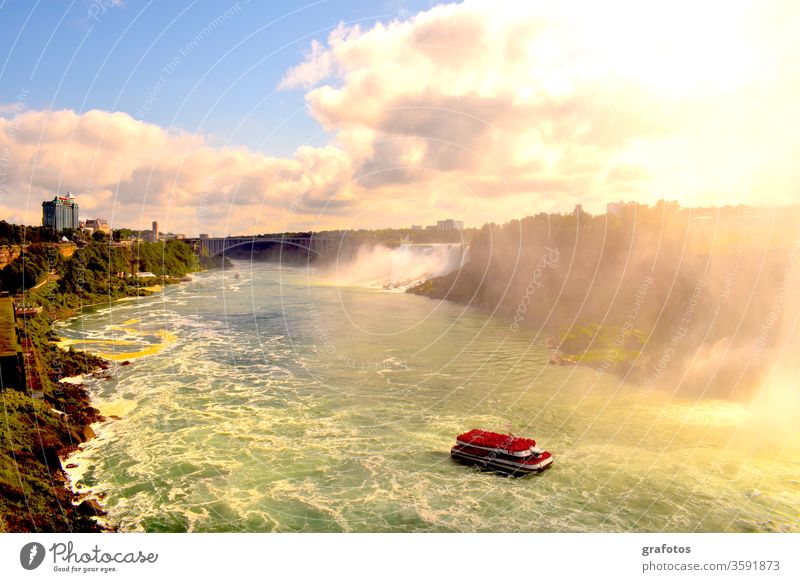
(500, 452)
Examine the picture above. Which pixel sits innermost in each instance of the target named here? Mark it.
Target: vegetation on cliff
(34, 262)
(18, 234)
(661, 293)
(99, 272)
(215, 262)
(35, 435)
(39, 429)
(605, 347)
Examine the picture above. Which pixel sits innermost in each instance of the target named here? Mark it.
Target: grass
(33, 493)
(608, 347)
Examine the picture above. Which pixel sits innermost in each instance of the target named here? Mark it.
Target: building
(61, 212)
(96, 224)
(151, 235)
(12, 363)
(417, 227)
(450, 224)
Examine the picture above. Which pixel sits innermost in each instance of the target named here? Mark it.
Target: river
(278, 401)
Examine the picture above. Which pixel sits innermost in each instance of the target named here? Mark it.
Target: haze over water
(279, 401)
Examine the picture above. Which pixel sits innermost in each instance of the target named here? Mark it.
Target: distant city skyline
(267, 117)
(60, 219)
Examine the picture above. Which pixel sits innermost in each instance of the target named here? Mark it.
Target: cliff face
(36, 434)
(66, 250)
(679, 295)
(9, 254)
(42, 426)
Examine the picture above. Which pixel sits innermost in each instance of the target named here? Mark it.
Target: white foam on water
(229, 430)
(395, 268)
(73, 379)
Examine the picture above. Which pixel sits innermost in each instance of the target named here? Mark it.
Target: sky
(246, 117)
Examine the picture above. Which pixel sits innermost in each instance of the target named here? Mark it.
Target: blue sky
(397, 112)
(84, 55)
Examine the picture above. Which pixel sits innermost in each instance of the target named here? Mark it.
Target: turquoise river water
(277, 401)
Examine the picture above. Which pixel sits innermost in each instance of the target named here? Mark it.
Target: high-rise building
(61, 212)
(450, 224)
(154, 235)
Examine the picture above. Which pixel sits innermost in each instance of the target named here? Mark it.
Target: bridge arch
(279, 241)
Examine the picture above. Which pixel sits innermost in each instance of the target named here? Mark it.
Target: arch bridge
(316, 245)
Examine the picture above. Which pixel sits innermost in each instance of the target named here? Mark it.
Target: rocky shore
(42, 431)
(35, 493)
(46, 418)
(74, 402)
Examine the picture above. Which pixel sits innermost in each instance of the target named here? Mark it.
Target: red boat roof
(485, 438)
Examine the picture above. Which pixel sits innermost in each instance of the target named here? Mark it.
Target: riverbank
(654, 295)
(39, 431)
(275, 411)
(605, 348)
(48, 419)
(44, 430)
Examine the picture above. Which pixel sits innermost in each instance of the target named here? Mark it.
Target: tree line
(97, 269)
(681, 294)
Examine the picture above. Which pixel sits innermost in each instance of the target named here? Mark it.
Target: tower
(61, 212)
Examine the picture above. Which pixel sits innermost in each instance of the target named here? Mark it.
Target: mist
(776, 404)
(699, 302)
(394, 268)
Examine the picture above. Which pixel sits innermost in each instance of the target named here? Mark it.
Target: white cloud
(561, 94)
(134, 172)
(483, 110)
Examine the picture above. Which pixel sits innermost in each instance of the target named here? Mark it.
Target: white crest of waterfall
(398, 268)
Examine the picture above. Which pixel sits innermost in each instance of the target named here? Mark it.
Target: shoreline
(606, 348)
(74, 469)
(605, 352)
(47, 420)
(71, 406)
(71, 461)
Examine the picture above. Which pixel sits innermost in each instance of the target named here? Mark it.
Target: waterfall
(397, 268)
